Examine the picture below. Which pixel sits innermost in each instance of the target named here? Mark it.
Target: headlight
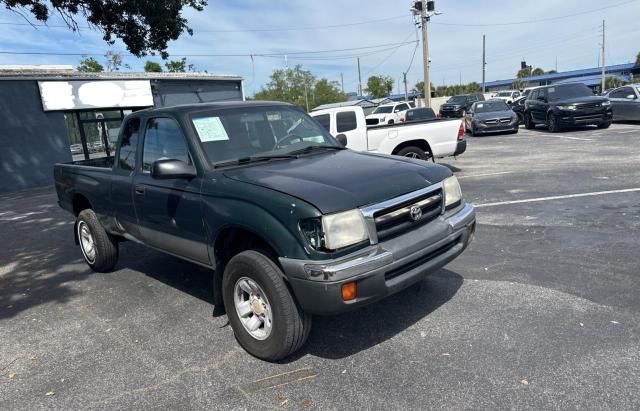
(568, 108)
(344, 229)
(606, 103)
(452, 192)
(335, 231)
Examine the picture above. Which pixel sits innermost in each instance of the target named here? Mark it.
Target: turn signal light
(349, 291)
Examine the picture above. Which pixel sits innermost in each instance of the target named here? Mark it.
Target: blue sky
(456, 38)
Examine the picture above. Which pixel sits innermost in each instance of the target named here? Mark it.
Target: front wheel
(528, 122)
(99, 249)
(552, 124)
(606, 124)
(266, 320)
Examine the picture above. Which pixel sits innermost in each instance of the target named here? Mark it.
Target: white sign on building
(82, 95)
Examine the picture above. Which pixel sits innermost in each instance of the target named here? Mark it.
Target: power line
(280, 54)
(537, 20)
(257, 30)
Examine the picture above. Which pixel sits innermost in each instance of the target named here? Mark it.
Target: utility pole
(342, 82)
(604, 71)
(556, 64)
(359, 79)
(484, 62)
(406, 92)
(424, 18)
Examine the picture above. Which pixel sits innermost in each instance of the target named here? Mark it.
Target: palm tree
(638, 60)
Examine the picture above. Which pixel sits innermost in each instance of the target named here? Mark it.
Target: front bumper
(481, 128)
(382, 269)
(570, 119)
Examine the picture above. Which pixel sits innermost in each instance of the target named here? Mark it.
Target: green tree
(537, 71)
(152, 67)
(179, 66)
(552, 72)
(379, 86)
(90, 65)
(143, 26)
(300, 87)
(638, 59)
(524, 73)
(613, 82)
(114, 61)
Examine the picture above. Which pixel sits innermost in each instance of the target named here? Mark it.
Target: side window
(129, 145)
(397, 109)
(622, 93)
(163, 140)
(346, 121)
(534, 95)
(324, 120)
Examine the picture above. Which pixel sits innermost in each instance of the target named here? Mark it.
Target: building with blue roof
(591, 77)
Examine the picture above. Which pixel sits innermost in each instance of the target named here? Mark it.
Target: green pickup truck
(289, 221)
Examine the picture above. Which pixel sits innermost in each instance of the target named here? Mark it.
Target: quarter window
(346, 121)
(129, 145)
(163, 140)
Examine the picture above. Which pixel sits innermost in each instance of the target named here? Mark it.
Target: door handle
(139, 189)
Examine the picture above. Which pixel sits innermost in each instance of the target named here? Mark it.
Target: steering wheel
(287, 138)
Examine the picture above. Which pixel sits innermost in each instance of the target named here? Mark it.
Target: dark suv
(566, 105)
(457, 106)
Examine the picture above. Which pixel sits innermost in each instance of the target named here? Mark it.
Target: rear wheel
(528, 122)
(552, 124)
(99, 249)
(414, 152)
(266, 320)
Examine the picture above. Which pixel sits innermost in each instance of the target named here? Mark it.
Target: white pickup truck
(428, 139)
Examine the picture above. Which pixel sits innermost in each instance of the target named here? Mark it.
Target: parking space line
(487, 174)
(532, 200)
(569, 138)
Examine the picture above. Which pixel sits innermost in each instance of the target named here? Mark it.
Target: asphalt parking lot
(541, 312)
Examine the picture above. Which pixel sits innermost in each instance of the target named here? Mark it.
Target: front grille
(496, 121)
(587, 106)
(398, 271)
(397, 219)
(372, 121)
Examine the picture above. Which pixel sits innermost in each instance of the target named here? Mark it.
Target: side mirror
(170, 169)
(342, 139)
(631, 97)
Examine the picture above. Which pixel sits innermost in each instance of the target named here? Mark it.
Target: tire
(528, 122)
(473, 132)
(604, 125)
(413, 152)
(552, 124)
(99, 249)
(290, 326)
(390, 122)
(520, 118)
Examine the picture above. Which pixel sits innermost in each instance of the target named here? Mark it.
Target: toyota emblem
(415, 213)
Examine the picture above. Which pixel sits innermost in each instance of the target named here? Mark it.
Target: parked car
(528, 91)
(566, 105)
(508, 96)
(457, 106)
(289, 222)
(76, 149)
(491, 116)
(418, 114)
(518, 107)
(387, 114)
(625, 102)
(428, 139)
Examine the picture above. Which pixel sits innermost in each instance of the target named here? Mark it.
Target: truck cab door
(169, 211)
(122, 179)
(346, 122)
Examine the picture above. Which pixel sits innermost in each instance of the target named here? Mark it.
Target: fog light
(349, 291)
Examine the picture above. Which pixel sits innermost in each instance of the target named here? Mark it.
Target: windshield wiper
(309, 149)
(253, 159)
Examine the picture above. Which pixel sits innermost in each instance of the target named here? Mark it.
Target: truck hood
(342, 180)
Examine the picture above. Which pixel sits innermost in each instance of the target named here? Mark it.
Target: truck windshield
(457, 100)
(383, 110)
(243, 133)
(569, 91)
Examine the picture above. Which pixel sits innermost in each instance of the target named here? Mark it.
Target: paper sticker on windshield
(480, 106)
(210, 129)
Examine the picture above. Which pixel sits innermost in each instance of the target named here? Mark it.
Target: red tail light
(461, 132)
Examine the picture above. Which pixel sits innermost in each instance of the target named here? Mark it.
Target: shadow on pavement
(340, 336)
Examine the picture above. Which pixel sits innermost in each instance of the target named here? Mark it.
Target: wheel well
(231, 241)
(421, 144)
(80, 203)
